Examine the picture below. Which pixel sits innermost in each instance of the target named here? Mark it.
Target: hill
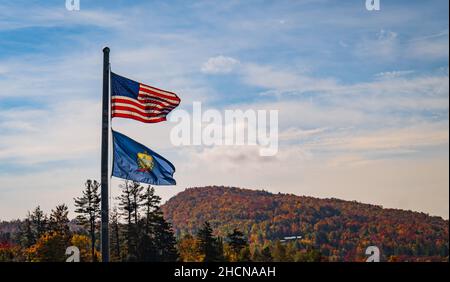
(341, 230)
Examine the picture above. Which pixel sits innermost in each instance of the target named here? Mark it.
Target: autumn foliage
(337, 230)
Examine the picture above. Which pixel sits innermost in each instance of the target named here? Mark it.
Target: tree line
(138, 232)
(339, 230)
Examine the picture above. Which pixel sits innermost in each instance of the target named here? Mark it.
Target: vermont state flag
(134, 161)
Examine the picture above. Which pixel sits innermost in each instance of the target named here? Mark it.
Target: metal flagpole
(104, 162)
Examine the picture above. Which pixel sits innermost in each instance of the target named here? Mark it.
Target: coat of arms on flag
(134, 161)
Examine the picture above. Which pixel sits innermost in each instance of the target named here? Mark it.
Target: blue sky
(362, 96)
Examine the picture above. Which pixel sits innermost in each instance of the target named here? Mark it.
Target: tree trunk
(93, 241)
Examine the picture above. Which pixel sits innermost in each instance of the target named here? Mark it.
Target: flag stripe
(126, 107)
(145, 116)
(151, 92)
(140, 106)
(120, 115)
(157, 101)
(143, 95)
(156, 104)
(146, 95)
(146, 99)
(145, 86)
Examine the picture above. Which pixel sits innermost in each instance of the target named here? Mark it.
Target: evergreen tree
(136, 200)
(39, 222)
(59, 221)
(126, 209)
(115, 235)
(164, 238)
(150, 202)
(157, 241)
(129, 204)
(219, 249)
(208, 244)
(266, 254)
(25, 235)
(237, 241)
(88, 207)
(32, 228)
(147, 250)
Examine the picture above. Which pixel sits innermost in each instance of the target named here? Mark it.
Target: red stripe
(138, 103)
(125, 108)
(171, 98)
(121, 102)
(138, 118)
(160, 96)
(152, 87)
(142, 99)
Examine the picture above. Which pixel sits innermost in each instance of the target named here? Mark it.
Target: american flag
(138, 101)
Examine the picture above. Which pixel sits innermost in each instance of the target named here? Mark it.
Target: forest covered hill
(340, 230)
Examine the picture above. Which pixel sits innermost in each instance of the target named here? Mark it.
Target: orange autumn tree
(83, 243)
(189, 249)
(50, 247)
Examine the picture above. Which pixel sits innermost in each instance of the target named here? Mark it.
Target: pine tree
(219, 249)
(32, 228)
(129, 204)
(25, 235)
(236, 240)
(88, 207)
(157, 241)
(148, 251)
(115, 235)
(164, 238)
(59, 221)
(266, 254)
(209, 245)
(149, 201)
(39, 222)
(136, 200)
(126, 210)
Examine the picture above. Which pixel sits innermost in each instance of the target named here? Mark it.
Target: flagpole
(104, 160)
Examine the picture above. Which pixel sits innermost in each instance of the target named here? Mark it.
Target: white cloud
(293, 133)
(429, 49)
(65, 131)
(37, 16)
(384, 46)
(391, 90)
(390, 140)
(219, 65)
(284, 80)
(46, 188)
(394, 74)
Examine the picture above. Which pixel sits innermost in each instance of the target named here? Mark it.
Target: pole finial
(106, 50)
